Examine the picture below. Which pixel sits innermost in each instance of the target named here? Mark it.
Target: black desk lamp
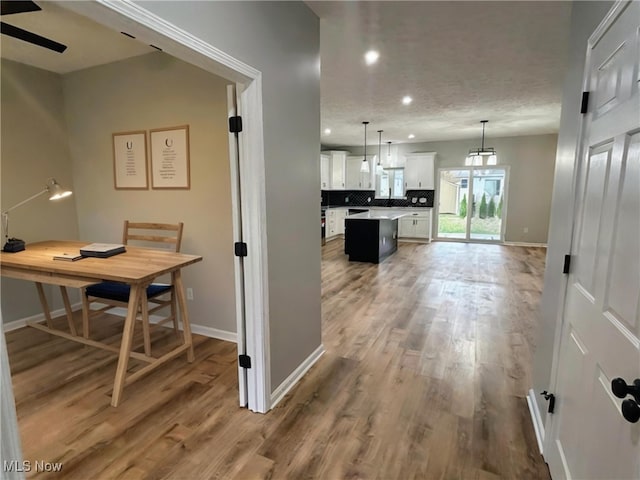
(55, 192)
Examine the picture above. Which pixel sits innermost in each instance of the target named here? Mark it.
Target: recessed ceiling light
(411, 135)
(371, 57)
(406, 100)
(327, 131)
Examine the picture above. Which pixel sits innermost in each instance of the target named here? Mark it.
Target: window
(390, 184)
(492, 187)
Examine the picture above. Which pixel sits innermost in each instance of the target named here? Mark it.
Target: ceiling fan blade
(30, 37)
(8, 7)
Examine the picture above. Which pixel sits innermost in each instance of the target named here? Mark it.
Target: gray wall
(282, 40)
(531, 163)
(584, 19)
(142, 93)
(34, 147)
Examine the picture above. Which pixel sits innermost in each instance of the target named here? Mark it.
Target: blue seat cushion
(120, 291)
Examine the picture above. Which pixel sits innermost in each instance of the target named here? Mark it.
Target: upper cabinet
(419, 171)
(325, 171)
(355, 179)
(333, 170)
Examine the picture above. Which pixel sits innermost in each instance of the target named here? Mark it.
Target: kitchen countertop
(364, 207)
(377, 215)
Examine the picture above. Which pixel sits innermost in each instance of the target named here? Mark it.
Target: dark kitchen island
(371, 236)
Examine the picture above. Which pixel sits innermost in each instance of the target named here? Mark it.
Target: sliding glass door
(472, 203)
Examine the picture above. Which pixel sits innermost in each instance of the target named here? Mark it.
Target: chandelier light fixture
(364, 168)
(483, 155)
(379, 168)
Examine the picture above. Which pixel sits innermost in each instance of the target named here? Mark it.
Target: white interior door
(233, 101)
(589, 436)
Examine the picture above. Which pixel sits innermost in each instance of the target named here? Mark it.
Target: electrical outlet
(189, 293)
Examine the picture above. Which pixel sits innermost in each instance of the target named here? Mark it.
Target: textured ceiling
(88, 43)
(462, 62)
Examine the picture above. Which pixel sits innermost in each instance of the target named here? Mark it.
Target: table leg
(45, 304)
(184, 315)
(67, 308)
(146, 334)
(86, 310)
(125, 345)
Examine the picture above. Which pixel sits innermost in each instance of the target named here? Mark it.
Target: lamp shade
(56, 192)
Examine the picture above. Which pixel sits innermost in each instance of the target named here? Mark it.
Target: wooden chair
(115, 294)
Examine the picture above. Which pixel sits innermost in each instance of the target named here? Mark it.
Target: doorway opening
(472, 204)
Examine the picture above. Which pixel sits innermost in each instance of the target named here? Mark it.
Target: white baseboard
(198, 329)
(22, 322)
(279, 393)
(536, 418)
(525, 244)
(122, 312)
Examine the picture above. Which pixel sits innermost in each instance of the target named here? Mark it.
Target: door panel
(625, 262)
(589, 438)
(591, 217)
(461, 214)
(486, 223)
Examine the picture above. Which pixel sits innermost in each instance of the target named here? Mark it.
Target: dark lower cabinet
(370, 240)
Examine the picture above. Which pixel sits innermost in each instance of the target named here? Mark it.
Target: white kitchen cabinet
(416, 225)
(325, 171)
(355, 179)
(337, 166)
(341, 214)
(419, 171)
(335, 221)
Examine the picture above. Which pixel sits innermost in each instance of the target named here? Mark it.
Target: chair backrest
(160, 233)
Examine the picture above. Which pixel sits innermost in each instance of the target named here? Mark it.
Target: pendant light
(477, 156)
(389, 149)
(379, 168)
(364, 168)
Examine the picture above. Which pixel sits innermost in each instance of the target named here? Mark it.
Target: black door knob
(620, 388)
(631, 410)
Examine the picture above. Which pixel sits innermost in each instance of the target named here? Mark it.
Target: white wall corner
(289, 382)
(536, 418)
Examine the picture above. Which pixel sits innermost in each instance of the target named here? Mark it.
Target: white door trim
(124, 15)
(10, 447)
(238, 262)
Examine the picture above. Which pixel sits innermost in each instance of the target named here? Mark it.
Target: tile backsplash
(362, 198)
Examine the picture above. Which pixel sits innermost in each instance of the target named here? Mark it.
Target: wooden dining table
(137, 267)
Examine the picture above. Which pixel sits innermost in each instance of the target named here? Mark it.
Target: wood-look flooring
(425, 373)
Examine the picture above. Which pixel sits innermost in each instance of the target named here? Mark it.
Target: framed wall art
(130, 160)
(170, 158)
